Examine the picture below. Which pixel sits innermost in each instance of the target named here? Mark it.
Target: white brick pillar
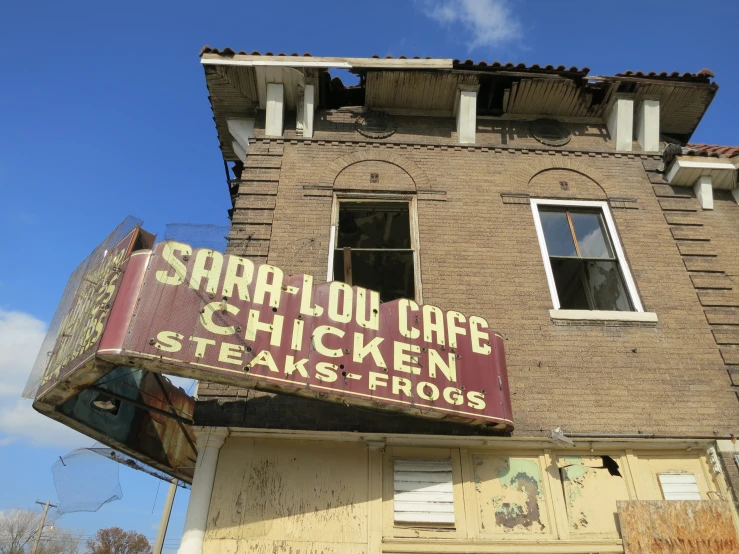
(273, 124)
(704, 192)
(307, 110)
(647, 125)
(241, 131)
(209, 442)
(621, 122)
(466, 107)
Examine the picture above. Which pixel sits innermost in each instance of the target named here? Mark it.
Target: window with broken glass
(583, 261)
(373, 248)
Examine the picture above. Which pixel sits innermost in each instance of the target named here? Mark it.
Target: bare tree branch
(18, 529)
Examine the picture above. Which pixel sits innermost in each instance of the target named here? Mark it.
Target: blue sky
(104, 113)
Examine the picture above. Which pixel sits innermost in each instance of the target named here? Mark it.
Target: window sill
(600, 315)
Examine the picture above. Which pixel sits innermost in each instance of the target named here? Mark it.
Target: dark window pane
(591, 233)
(364, 225)
(606, 286)
(389, 273)
(569, 279)
(557, 233)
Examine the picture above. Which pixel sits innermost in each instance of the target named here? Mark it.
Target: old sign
(199, 313)
(95, 285)
(133, 410)
(677, 527)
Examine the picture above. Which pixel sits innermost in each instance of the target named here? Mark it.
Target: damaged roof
(703, 76)
(237, 88)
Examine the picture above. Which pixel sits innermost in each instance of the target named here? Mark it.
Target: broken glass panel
(586, 273)
(606, 286)
(589, 285)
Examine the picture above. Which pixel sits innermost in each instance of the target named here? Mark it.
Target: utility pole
(43, 521)
(166, 512)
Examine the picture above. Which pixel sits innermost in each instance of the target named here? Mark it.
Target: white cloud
(20, 423)
(489, 22)
(20, 339)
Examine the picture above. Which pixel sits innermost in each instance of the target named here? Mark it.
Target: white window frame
(615, 240)
(373, 199)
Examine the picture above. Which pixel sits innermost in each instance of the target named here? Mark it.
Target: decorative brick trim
(515, 198)
(713, 287)
(497, 148)
(417, 175)
(539, 165)
(255, 200)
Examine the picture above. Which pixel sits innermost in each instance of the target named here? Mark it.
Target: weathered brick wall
(479, 254)
(731, 473)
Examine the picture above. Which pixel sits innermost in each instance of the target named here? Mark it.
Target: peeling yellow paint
(290, 493)
(652, 466)
(510, 496)
(290, 496)
(591, 490)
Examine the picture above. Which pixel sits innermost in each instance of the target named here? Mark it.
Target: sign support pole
(166, 512)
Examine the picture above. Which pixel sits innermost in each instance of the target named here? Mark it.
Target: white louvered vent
(424, 493)
(679, 486)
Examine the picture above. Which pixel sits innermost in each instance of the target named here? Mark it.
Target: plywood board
(677, 527)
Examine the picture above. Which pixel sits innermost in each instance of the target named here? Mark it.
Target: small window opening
(586, 270)
(374, 248)
(423, 493)
(679, 486)
(106, 403)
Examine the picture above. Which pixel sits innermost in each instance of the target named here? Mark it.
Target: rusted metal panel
(677, 527)
(139, 425)
(221, 318)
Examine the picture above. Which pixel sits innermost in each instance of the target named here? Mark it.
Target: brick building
(570, 211)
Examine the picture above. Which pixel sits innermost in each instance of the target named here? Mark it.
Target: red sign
(220, 318)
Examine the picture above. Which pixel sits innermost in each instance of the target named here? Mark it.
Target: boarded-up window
(423, 492)
(679, 486)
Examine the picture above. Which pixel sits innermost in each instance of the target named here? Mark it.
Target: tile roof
(229, 52)
(519, 67)
(704, 75)
(713, 150)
